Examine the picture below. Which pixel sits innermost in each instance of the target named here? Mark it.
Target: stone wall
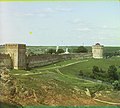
(45, 59)
(40, 60)
(81, 55)
(5, 61)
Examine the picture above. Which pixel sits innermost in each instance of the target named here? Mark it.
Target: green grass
(65, 80)
(65, 76)
(87, 66)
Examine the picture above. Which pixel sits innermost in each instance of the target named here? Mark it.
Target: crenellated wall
(5, 61)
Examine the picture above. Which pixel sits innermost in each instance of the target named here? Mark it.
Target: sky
(60, 23)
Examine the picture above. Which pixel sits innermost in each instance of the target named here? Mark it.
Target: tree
(51, 51)
(95, 69)
(81, 73)
(112, 73)
(81, 49)
(116, 85)
(60, 51)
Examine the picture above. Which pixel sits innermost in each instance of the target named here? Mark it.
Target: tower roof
(97, 44)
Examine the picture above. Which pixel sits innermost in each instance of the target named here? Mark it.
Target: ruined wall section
(5, 61)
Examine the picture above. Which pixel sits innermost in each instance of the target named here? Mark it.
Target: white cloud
(83, 29)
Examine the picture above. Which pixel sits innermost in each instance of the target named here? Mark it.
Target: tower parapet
(97, 51)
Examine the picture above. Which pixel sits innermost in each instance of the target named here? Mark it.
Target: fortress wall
(5, 61)
(40, 60)
(45, 59)
(81, 55)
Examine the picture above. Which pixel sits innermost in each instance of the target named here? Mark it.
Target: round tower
(97, 51)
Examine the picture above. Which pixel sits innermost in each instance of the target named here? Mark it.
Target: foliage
(95, 69)
(112, 73)
(116, 85)
(51, 51)
(31, 53)
(81, 49)
(81, 73)
(98, 73)
(60, 51)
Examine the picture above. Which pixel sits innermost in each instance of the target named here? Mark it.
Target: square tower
(17, 53)
(97, 51)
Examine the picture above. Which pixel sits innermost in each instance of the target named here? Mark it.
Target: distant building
(17, 54)
(97, 51)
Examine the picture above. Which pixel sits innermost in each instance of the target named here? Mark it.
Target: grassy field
(63, 79)
(67, 72)
(72, 67)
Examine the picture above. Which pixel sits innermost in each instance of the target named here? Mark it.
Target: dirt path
(56, 67)
(107, 102)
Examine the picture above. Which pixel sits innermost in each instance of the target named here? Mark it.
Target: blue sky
(60, 23)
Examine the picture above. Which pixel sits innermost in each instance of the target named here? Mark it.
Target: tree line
(80, 49)
(111, 75)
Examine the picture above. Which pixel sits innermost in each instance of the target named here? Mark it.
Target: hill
(60, 84)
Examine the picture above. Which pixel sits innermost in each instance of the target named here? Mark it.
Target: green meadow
(64, 77)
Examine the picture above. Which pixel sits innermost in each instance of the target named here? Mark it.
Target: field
(63, 78)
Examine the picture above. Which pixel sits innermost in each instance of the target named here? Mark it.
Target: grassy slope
(64, 80)
(86, 67)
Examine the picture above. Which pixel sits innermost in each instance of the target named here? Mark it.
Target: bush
(51, 51)
(81, 49)
(60, 51)
(81, 73)
(116, 85)
(112, 73)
